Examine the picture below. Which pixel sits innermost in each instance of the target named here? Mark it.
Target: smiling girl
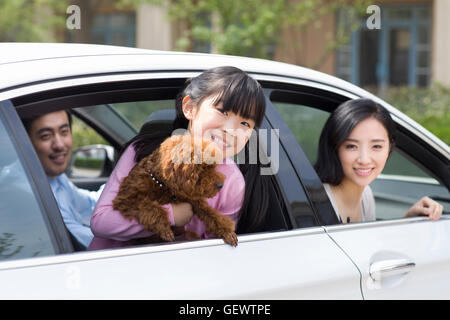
(354, 146)
(223, 105)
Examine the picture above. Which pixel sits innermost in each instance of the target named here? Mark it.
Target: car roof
(33, 62)
(23, 64)
(16, 52)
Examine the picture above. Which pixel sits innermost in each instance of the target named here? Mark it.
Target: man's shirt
(76, 206)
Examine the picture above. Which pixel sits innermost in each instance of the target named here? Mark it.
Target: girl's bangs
(244, 99)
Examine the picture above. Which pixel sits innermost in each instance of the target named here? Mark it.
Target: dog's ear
(211, 153)
(175, 154)
(175, 149)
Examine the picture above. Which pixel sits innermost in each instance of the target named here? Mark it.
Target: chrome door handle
(391, 267)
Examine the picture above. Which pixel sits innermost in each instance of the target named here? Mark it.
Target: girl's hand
(182, 213)
(426, 206)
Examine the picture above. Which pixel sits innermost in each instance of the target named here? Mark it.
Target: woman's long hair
(236, 91)
(337, 129)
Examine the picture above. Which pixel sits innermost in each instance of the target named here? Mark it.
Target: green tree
(428, 106)
(31, 20)
(252, 27)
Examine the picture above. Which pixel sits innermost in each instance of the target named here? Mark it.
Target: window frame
(131, 90)
(304, 170)
(37, 179)
(412, 146)
(38, 92)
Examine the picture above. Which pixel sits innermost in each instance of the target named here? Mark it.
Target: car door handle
(388, 268)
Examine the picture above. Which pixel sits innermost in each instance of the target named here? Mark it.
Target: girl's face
(227, 130)
(364, 153)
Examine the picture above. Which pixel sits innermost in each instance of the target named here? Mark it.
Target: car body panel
(418, 240)
(281, 265)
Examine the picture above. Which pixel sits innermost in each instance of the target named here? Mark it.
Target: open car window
(403, 181)
(114, 119)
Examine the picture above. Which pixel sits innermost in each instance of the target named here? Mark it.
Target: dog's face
(188, 167)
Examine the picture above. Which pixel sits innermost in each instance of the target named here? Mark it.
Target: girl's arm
(228, 201)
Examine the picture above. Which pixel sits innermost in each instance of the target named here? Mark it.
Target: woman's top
(112, 229)
(367, 203)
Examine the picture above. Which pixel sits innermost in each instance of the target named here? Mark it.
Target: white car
(302, 253)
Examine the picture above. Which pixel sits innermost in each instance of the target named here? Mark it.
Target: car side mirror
(91, 161)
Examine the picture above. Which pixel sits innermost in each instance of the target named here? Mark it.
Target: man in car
(51, 137)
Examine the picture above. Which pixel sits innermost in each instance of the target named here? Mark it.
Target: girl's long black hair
(241, 94)
(338, 127)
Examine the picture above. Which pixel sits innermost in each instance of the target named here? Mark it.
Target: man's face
(52, 140)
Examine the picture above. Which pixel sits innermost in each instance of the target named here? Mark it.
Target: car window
(84, 135)
(93, 156)
(402, 182)
(306, 123)
(91, 153)
(23, 232)
(138, 112)
(117, 119)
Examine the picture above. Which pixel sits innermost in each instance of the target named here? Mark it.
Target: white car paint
(298, 264)
(419, 241)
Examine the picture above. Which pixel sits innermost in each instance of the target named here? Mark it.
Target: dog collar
(161, 185)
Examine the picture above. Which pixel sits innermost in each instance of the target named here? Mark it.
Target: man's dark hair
(28, 121)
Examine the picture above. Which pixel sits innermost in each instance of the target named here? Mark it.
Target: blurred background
(405, 60)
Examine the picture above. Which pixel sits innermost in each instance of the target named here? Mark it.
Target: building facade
(409, 48)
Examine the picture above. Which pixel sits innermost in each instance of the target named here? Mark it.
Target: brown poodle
(182, 169)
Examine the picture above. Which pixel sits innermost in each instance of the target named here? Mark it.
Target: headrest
(159, 120)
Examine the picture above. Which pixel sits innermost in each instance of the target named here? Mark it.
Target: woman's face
(364, 153)
(227, 130)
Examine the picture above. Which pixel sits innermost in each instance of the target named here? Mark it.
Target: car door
(404, 258)
(399, 258)
(292, 260)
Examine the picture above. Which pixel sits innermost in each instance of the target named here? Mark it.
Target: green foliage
(82, 135)
(135, 112)
(89, 163)
(305, 123)
(249, 28)
(428, 106)
(138, 111)
(31, 20)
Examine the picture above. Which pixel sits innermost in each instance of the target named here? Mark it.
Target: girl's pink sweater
(111, 229)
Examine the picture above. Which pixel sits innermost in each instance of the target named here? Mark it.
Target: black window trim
(308, 177)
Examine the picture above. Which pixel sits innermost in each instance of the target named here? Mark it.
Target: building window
(114, 29)
(397, 54)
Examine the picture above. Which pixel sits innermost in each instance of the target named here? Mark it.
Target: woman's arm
(425, 206)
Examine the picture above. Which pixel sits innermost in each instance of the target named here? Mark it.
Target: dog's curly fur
(184, 166)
